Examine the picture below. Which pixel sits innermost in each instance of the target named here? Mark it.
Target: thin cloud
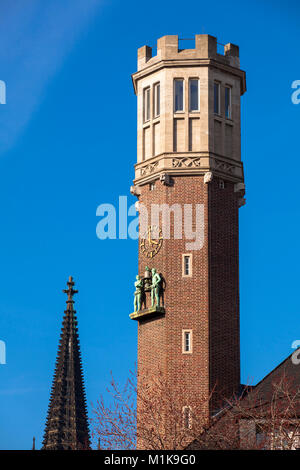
(35, 37)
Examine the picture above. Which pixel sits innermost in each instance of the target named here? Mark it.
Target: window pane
(186, 417)
(178, 90)
(157, 99)
(216, 98)
(186, 265)
(228, 102)
(187, 342)
(194, 95)
(147, 104)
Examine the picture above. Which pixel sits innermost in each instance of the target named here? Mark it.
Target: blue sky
(67, 68)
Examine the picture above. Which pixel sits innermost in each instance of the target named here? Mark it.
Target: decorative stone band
(223, 166)
(183, 164)
(148, 312)
(148, 169)
(187, 162)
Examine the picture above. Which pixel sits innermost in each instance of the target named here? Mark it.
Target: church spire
(67, 422)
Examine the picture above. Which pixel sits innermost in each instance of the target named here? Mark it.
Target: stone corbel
(239, 188)
(135, 190)
(208, 177)
(165, 179)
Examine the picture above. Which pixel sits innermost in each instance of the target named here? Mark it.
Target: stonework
(211, 141)
(203, 169)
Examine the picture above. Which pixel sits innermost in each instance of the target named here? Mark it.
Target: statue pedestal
(147, 313)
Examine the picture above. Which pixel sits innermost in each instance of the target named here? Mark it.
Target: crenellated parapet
(206, 47)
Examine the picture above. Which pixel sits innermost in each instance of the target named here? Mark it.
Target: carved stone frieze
(148, 169)
(189, 162)
(223, 166)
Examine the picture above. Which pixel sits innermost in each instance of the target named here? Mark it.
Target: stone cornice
(188, 163)
(189, 63)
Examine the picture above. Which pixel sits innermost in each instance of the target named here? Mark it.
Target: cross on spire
(70, 291)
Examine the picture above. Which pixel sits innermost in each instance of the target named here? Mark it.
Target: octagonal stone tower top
(188, 110)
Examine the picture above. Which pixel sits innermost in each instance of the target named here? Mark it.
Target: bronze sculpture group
(151, 282)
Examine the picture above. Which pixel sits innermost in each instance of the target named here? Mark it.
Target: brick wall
(206, 303)
(224, 290)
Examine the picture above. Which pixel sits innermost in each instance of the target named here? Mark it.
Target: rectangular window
(146, 104)
(228, 102)
(156, 100)
(194, 94)
(187, 341)
(187, 417)
(221, 184)
(187, 265)
(217, 98)
(178, 95)
(187, 261)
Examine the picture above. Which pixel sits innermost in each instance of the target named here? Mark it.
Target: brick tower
(189, 154)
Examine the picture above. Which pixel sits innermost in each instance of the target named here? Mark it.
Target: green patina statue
(156, 291)
(151, 282)
(138, 294)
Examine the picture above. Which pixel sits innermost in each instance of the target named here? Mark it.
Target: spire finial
(70, 291)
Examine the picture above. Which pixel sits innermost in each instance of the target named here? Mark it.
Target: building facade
(189, 181)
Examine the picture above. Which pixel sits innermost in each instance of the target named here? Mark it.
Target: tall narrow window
(146, 104)
(187, 265)
(194, 94)
(178, 95)
(187, 417)
(156, 100)
(187, 341)
(228, 102)
(217, 98)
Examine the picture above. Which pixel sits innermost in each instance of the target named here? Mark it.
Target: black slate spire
(67, 422)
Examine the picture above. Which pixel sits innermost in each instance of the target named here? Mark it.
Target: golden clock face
(151, 241)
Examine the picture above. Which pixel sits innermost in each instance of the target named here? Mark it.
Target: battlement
(206, 47)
